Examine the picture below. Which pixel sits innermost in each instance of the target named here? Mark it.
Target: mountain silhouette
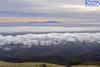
(51, 22)
(45, 22)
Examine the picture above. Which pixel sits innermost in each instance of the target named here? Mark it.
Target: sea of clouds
(27, 29)
(49, 39)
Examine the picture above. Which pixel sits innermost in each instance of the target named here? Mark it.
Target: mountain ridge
(46, 22)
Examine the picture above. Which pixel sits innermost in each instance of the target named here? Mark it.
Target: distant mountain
(45, 22)
(51, 22)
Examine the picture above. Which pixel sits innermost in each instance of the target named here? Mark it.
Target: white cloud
(26, 29)
(80, 8)
(50, 39)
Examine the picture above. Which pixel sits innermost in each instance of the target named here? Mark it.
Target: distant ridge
(46, 22)
(51, 22)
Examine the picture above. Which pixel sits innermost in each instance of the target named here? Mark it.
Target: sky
(47, 10)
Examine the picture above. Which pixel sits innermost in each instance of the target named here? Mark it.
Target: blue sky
(47, 10)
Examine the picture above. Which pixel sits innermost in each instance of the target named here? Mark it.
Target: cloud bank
(27, 29)
(50, 39)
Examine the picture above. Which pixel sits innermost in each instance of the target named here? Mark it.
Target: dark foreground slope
(71, 53)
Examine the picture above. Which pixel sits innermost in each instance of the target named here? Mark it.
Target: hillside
(27, 64)
(37, 64)
(88, 64)
(91, 63)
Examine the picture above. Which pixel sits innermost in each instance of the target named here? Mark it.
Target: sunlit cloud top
(48, 10)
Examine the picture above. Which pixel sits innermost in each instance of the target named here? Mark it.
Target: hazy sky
(46, 10)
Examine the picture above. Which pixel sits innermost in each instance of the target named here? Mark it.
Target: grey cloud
(37, 5)
(48, 8)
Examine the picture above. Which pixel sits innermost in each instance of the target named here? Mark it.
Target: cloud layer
(27, 29)
(50, 39)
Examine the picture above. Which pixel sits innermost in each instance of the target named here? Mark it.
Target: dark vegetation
(65, 54)
(91, 63)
